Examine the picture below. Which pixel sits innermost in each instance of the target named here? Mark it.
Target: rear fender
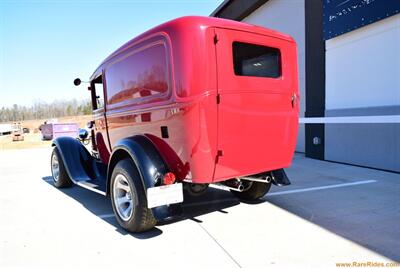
(279, 177)
(149, 163)
(145, 156)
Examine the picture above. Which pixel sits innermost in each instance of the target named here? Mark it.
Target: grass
(31, 140)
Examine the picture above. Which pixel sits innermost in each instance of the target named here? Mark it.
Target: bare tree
(43, 110)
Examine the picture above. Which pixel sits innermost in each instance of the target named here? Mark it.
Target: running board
(92, 186)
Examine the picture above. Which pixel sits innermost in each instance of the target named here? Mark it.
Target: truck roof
(195, 22)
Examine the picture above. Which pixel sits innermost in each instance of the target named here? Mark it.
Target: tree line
(44, 110)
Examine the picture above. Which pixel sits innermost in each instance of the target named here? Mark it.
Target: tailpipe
(264, 179)
(234, 185)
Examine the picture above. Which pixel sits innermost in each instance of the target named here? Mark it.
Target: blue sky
(44, 45)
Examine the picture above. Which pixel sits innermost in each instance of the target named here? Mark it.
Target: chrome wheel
(123, 199)
(55, 167)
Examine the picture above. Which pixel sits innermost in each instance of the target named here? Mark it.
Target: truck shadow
(213, 200)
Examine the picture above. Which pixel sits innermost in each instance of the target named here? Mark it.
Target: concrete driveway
(332, 213)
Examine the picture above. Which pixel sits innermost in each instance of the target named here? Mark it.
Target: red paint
(171, 76)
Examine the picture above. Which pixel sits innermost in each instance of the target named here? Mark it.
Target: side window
(97, 84)
(140, 75)
(256, 60)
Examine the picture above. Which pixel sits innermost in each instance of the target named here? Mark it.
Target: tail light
(169, 178)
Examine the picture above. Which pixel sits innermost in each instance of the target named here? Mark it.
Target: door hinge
(219, 154)
(215, 39)
(218, 98)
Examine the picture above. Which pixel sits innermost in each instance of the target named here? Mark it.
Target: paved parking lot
(331, 213)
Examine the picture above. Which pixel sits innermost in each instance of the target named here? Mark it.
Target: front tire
(128, 198)
(58, 171)
(253, 191)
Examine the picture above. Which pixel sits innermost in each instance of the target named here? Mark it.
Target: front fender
(77, 160)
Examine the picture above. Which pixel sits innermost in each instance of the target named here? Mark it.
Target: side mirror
(83, 134)
(77, 82)
(90, 124)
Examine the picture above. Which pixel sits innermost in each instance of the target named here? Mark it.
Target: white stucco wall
(286, 16)
(363, 66)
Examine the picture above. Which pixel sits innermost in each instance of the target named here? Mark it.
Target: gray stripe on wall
(365, 111)
(370, 145)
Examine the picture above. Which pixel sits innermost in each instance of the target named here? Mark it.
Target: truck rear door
(257, 108)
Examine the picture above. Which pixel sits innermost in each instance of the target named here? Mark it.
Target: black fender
(149, 163)
(144, 154)
(77, 160)
(279, 177)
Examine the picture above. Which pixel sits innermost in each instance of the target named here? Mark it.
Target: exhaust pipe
(234, 185)
(266, 179)
(277, 177)
(241, 187)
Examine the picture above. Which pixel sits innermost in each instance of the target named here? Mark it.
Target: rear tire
(255, 191)
(60, 175)
(128, 198)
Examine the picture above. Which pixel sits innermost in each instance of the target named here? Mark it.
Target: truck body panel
(257, 116)
(177, 85)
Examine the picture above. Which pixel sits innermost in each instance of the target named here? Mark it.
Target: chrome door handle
(293, 99)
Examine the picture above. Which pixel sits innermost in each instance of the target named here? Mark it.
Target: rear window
(256, 60)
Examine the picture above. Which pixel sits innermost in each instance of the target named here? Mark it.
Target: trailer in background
(5, 129)
(55, 130)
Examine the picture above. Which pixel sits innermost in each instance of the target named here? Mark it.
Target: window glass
(256, 60)
(99, 91)
(137, 76)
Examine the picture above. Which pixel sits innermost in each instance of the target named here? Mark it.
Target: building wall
(286, 16)
(363, 79)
